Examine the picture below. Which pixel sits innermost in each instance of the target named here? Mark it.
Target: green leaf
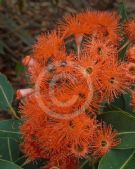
(118, 159)
(127, 140)
(122, 11)
(4, 164)
(6, 93)
(19, 69)
(120, 120)
(131, 164)
(125, 124)
(10, 128)
(9, 149)
(123, 102)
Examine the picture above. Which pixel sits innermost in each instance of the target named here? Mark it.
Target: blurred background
(21, 21)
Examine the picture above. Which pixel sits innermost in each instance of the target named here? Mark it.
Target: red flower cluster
(72, 71)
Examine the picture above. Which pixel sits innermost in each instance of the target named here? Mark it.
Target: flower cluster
(73, 70)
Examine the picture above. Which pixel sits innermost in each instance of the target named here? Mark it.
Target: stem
(9, 105)
(19, 158)
(93, 164)
(84, 163)
(124, 102)
(25, 163)
(125, 45)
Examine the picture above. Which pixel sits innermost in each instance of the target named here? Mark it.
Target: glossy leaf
(123, 102)
(118, 159)
(120, 120)
(4, 164)
(9, 149)
(131, 164)
(127, 140)
(6, 92)
(10, 128)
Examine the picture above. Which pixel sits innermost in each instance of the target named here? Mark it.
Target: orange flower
(55, 141)
(102, 49)
(63, 163)
(47, 46)
(105, 139)
(80, 150)
(56, 94)
(130, 71)
(28, 61)
(77, 130)
(30, 145)
(89, 67)
(130, 29)
(62, 99)
(30, 148)
(95, 105)
(83, 93)
(71, 25)
(27, 111)
(68, 88)
(131, 54)
(108, 26)
(113, 80)
(103, 25)
(89, 22)
(33, 71)
(24, 92)
(64, 63)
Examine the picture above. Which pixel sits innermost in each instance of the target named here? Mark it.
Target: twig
(25, 163)
(84, 163)
(125, 45)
